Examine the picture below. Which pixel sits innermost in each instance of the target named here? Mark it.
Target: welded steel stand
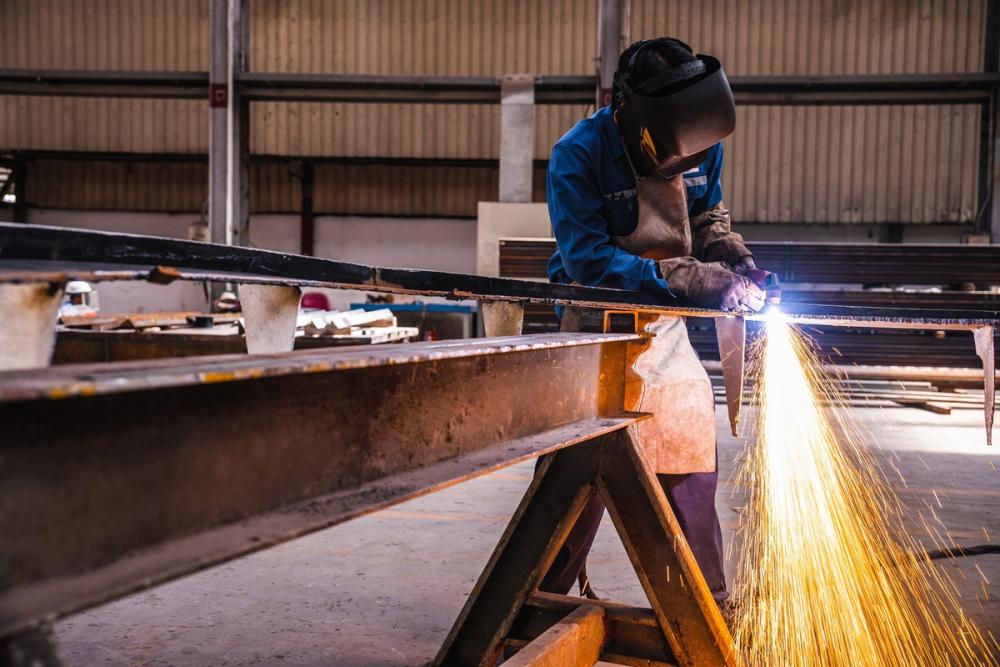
(505, 609)
(35, 647)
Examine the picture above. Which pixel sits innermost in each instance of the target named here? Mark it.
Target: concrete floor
(384, 589)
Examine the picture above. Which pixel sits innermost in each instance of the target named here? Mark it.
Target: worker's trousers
(692, 498)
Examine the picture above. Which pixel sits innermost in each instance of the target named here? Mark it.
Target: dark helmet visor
(664, 134)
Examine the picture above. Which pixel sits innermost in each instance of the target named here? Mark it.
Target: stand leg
(549, 509)
(667, 570)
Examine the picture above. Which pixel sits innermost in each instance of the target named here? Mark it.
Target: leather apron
(680, 436)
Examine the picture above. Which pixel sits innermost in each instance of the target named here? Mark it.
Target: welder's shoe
(586, 590)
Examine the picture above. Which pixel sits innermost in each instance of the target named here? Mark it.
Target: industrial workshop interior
(535, 333)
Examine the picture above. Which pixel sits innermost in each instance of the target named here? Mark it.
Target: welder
(635, 201)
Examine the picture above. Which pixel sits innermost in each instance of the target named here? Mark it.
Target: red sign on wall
(218, 95)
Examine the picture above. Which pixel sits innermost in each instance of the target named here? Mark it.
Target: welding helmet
(669, 122)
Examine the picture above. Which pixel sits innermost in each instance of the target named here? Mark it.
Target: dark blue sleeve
(712, 166)
(581, 232)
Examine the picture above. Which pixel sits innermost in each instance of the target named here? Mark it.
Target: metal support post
(218, 122)
(989, 157)
(20, 177)
(608, 48)
(517, 136)
(240, 122)
(994, 180)
(228, 125)
(307, 231)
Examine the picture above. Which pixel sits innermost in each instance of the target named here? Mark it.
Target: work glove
(711, 284)
(714, 241)
(745, 265)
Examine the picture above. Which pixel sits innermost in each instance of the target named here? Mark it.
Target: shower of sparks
(828, 576)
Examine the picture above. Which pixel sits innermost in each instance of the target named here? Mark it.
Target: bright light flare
(828, 577)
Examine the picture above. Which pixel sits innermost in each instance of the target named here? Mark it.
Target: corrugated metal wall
(112, 186)
(854, 164)
(447, 37)
(103, 124)
(822, 36)
(414, 37)
(840, 164)
(153, 35)
(819, 164)
(104, 34)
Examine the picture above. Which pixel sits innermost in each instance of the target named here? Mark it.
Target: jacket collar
(612, 137)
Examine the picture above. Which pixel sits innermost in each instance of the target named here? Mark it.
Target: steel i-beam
(48, 249)
(112, 479)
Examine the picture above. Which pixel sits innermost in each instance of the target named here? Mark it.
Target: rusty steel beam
(27, 250)
(114, 477)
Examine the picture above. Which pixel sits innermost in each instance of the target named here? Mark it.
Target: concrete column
(517, 136)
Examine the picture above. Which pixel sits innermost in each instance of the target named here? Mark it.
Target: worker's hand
(711, 284)
(713, 240)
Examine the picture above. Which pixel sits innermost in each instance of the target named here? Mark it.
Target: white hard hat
(78, 287)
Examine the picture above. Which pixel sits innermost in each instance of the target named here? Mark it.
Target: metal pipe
(964, 88)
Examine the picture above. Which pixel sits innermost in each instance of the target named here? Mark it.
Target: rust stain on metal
(164, 275)
(617, 391)
(70, 380)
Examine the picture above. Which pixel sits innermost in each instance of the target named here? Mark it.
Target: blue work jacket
(592, 196)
